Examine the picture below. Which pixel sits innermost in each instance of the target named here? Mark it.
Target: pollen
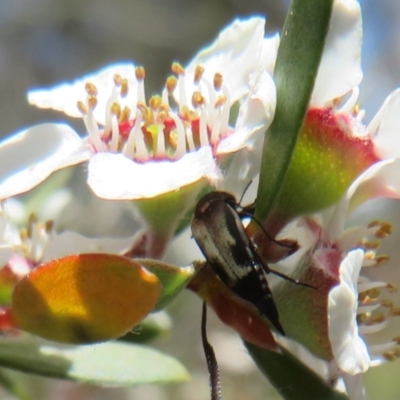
(155, 102)
(177, 69)
(382, 229)
(171, 84)
(218, 79)
(220, 102)
(375, 309)
(115, 109)
(82, 107)
(125, 114)
(91, 89)
(197, 99)
(198, 74)
(140, 73)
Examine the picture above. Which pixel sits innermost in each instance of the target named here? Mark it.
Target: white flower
(339, 75)
(358, 307)
(140, 151)
(24, 248)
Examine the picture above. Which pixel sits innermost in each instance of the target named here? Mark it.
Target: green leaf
(173, 279)
(155, 325)
(110, 364)
(291, 378)
(13, 386)
(299, 55)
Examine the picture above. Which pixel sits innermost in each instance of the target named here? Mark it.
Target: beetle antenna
(250, 215)
(244, 192)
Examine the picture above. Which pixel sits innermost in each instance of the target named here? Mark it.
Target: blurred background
(45, 42)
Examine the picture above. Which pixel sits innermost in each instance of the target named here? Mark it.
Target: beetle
(218, 230)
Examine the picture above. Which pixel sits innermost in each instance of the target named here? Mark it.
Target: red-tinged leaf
(235, 312)
(6, 319)
(85, 298)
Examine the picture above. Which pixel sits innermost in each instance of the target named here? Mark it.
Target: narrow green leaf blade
(106, 364)
(291, 378)
(299, 55)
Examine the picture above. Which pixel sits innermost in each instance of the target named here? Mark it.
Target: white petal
(388, 138)
(380, 180)
(64, 97)
(29, 157)
(72, 243)
(350, 238)
(255, 114)
(5, 255)
(114, 176)
(269, 52)
(234, 54)
(354, 386)
(348, 348)
(340, 68)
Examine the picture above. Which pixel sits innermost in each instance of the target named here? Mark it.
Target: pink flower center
(156, 130)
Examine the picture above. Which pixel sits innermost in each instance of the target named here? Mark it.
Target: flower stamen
(157, 131)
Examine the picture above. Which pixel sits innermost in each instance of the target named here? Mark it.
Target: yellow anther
(92, 102)
(161, 117)
(177, 69)
(188, 114)
(387, 303)
(140, 73)
(82, 107)
(115, 109)
(125, 114)
(364, 299)
(220, 102)
(198, 73)
(164, 107)
(155, 102)
(124, 87)
(369, 255)
(197, 99)
(376, 319)
(384, 228)
(336, 101)
(91, 89)
(396, 339)
(394, 312)
(391, 287)
(391, 355)
(48, 226)
(23, 234)
(32, 220)
(382, 260)
(373, 294)
(218, 81)
(371, 244)
(117, 79)
(170, 84)
(361, 318)
(147, 113)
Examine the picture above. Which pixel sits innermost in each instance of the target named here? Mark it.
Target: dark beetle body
(218, 230)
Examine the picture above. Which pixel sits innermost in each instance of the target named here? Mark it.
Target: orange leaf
(84, 298)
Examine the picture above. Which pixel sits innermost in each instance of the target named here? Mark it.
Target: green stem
(299, 55)
(290, 377)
